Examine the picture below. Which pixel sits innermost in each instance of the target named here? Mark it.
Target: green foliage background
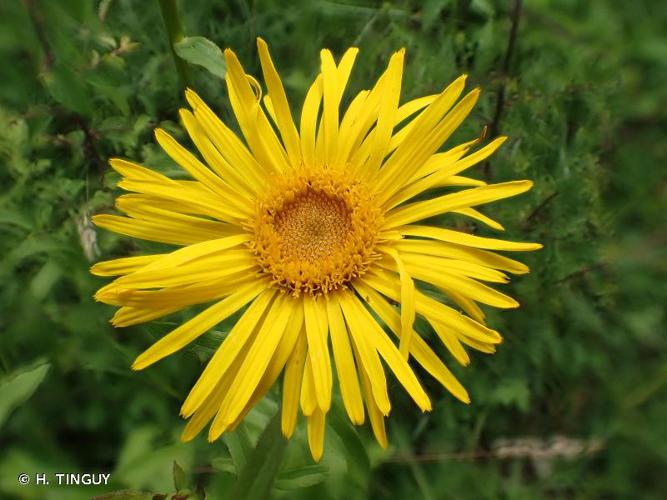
(584, 357)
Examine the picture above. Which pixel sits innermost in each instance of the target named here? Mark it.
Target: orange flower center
(315, 231)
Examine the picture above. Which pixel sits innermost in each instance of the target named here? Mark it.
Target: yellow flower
(316, 231)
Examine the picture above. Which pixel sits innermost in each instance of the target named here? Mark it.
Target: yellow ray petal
(280, 105)
(177, 297)
(469, 306)
(452, 342)
(484, 347)
(251, 118)
(242, 181)
(461, 253)
(308, 397)
(346, 137)
(437, 311)
(345, 367)
(387, 112)
(479, 216)
(431, 309)
(229, 146)
(418, 184)
(345, 69)
(407, 302)
(447, 265)
(204, 200)
(125, 265)
(470, 197)
(460, 238)
(316, 424)
(159, 213)
(425, 137)
(228, 351)
(201, 173)
(375, 415)
(444, 174)
(331, 102)
(210, 268)
(200, 324)
(399, 137)
(315, 317)
(168, 232)
(254, 366)
(380, 341)
(467, 286)
(277, 363)
(418, 347)
(197, 251)
(442, 160)
(334, 81)
(135, 171)
(447, 336)
(292, 386)
(128, 316)
(411, 107)
(209, 408)
(308, 125)
(473, 158)
(366, 354)
(458, 180)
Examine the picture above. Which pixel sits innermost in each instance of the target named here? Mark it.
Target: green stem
(175, 34)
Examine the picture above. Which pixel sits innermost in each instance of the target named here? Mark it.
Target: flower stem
(175, 34)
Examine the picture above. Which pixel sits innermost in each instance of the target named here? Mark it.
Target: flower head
(317, 236)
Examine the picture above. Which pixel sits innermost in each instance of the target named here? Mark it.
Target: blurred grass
(584, 357)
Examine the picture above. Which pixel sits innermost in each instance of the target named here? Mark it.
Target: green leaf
(302, 477)
(46, 277)
(257, 478)
(239, 445)
(224, 464)
(180, 478)
(358, 463)
(202, 52)
(18, 387)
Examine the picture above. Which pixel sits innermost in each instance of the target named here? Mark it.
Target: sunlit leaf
(202, 52)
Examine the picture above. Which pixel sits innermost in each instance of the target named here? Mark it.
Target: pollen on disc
(312, 226)
(315, 231)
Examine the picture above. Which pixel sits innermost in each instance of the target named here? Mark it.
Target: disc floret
(315, 231)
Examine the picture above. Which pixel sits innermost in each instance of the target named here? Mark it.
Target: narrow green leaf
(257, 478)
(224, 464)
(358, 463)
(46, 277)
(18, 387)
(180, 478)
(202, 52)
(239, 445)
(302, 477)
